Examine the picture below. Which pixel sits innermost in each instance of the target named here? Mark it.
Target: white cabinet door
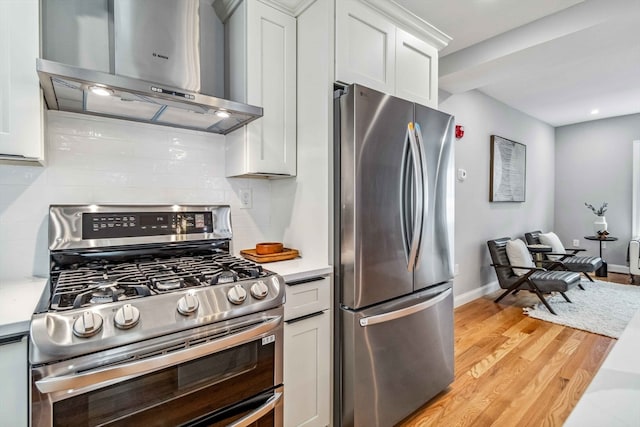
(307, 358)
(365, 47)
(416, 70)
(20, 112)
(373, 51)
(266, 146)
(13, 393)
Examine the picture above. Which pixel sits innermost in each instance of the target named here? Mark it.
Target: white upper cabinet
(20, 109)
(260, 56)
(416, 69)
(383, 46)
(366, 46)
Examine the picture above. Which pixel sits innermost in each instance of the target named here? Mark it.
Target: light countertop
(613, 395)
(298, 268)
(18, 299)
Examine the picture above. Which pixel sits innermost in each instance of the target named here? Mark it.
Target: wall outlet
(604, 245)
(245, 198)
(576, 243)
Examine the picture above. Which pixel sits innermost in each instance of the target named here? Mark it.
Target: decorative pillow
(519, 255)
(552, 239)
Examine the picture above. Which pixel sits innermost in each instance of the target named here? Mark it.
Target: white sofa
(634, 259)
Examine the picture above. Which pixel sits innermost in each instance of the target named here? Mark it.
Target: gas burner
(225, 276)
(168, 284)
(102, 294)
(105, 294)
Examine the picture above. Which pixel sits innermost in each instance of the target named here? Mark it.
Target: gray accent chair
(570, 261)
(537, 279)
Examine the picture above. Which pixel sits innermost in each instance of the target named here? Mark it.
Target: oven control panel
(127, 224)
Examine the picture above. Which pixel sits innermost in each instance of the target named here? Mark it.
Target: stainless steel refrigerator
(394, 217)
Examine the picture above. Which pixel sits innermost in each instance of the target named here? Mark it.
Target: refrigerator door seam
(425, 186)
(397, 314)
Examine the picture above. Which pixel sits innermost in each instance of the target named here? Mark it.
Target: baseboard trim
(617, 268)
(473, 294)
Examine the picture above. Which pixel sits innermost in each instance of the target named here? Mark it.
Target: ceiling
(555, 60)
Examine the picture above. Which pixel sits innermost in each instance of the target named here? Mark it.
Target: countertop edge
(19, 298)
(299, 269)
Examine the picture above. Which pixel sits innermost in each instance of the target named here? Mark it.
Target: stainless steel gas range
(149, 320)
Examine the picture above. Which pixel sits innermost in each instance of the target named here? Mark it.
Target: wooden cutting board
(286, 254)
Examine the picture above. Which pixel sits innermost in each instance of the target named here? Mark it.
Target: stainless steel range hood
(68, 88)
(152, 58)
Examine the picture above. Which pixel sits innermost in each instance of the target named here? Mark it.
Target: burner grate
(100, 282)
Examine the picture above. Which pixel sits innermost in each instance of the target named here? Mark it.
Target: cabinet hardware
(307, 280)
(308, 316)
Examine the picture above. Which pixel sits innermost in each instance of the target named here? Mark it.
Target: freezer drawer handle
(403, 312)
(258, 413)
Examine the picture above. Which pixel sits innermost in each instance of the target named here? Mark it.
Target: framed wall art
(507, 177)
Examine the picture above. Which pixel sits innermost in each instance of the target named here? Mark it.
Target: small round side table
(602, 271)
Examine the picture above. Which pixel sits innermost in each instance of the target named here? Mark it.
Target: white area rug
(603, 308)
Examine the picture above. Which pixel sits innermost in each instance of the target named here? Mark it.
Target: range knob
(237, 295)
(126, 317)
(188, 304)
(87, 325)
(259, 290)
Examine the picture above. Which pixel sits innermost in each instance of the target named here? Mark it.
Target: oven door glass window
(211, 386)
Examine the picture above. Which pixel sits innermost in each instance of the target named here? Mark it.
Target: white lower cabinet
(307, 353)
(307, 370)
(13, 393)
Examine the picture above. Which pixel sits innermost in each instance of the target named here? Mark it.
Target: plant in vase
(600, 224)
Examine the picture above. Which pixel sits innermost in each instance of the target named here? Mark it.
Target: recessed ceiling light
(223, 114)
(100, 90)
(595, 111)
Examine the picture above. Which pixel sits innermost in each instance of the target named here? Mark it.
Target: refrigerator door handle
(397, 314)
(418, 177)
(405, 202)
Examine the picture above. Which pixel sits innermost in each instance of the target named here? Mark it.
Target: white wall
(300, 206)
(97, 160)
(477, 219)
(594, 165)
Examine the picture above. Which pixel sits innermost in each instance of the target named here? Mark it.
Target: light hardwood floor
(512, 370)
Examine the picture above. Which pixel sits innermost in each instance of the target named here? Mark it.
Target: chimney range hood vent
(156, 56)
(68, 88)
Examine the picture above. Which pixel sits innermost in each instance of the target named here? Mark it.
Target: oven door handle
(105, 376)
(260, 412)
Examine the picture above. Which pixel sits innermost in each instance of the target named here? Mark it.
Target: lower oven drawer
(264, 410)
(236, 383)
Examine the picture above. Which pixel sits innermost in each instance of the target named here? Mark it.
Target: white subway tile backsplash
(97, 160)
